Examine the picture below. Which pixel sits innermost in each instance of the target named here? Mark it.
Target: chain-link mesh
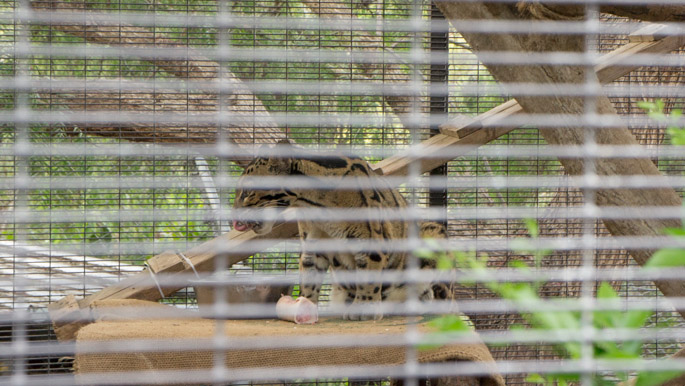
(545, 137)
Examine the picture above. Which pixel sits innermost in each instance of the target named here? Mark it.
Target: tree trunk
(573, 108)
(400, 105)
(259, 127)
(655, 12)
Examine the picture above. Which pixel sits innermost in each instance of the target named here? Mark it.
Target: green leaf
(636, 318)
(607, 319)
(532, 226)
(606, 291)
(647, 106)
(607, 350)
(424, 253)
(428, 346)
(677, 135)
(519, 264)
(536, 378)
(604, 382)
(667, 257)
(445, 263)
(450, 323)
(675, 231)
(632, 348)
(449, 327)
(653, 378)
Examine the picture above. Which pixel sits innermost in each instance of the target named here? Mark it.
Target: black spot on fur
(310, 202)
(362, 198)
(375, 257)
(307, 264)
(359, 167)
(273, 197)
(375, 196)
(328, 162)
(440, 291)
(376, 289)
(336, 262)
(350, 233)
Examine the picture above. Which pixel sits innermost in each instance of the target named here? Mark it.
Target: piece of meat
(300, 311)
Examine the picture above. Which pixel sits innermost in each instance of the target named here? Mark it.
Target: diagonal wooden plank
(462, 134)
(458, 135)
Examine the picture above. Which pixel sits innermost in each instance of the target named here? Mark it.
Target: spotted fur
(358, 194)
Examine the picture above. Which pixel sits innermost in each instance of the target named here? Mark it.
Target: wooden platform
(255, 349)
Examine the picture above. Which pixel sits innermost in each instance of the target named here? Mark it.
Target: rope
(187, 261)
(154, 278)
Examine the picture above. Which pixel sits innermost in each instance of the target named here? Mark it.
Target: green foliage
(564, 324)
(91, 230)
(668, 257)
(674, 128)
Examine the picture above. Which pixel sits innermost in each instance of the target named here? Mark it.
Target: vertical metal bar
(22, 142)
(589, 194)
(219, 370)
(439, 44)
(413, 178)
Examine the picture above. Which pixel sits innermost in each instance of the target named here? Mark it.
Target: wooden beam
(680, 380)
(571, 131)
(648, 11)
(69, 314)
(459, 136)
(462, 134)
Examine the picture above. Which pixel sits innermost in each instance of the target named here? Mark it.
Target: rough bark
(679, 381)
(652, 12)
(573, 108)
(388, 72)
(167, 103)
(241, 102)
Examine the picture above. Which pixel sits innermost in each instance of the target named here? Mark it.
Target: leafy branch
(566, 325)
(655, 110)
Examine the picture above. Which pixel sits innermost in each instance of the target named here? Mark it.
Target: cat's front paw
(360, 311)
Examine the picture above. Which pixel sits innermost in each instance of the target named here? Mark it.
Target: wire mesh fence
(458, 193)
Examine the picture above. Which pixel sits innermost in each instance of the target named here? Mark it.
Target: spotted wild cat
(361, 191)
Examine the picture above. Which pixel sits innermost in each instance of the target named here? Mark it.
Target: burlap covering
(111, 326)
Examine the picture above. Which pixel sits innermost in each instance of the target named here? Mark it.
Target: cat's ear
(280, 163)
